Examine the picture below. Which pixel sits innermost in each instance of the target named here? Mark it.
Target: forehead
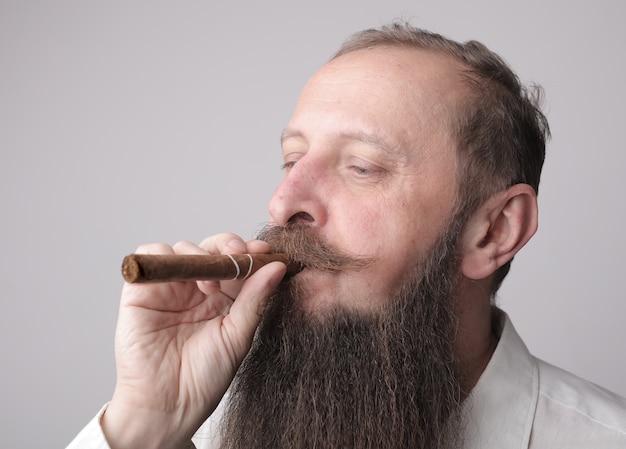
(405, 96)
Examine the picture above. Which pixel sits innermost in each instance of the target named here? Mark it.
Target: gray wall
(124, 123)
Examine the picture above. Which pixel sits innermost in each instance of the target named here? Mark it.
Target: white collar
(503, 402)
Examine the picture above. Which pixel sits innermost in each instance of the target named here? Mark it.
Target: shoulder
(572, 412)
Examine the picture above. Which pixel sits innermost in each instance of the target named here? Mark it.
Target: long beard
(346, 379)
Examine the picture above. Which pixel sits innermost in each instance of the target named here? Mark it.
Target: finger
(258, 247)
(154, 248)
(173, 296)
(140, 294)
(225, 243)
(245, 313)
(228, 243)
(187, 247)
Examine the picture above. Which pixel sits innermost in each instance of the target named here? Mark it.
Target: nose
(299, 197)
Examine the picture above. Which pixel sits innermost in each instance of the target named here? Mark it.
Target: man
(412, 165)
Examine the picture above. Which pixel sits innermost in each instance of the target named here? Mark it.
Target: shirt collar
(501, 406)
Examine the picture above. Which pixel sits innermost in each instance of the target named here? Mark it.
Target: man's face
(359, 352)
(369, 162)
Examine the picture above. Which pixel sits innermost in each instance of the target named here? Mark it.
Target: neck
(476, 341)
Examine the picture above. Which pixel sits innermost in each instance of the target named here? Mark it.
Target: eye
(290, 160)
(288, 165)
(363, 168)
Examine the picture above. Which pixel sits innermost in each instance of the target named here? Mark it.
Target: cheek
(400, 234)
(365, 230)
(396, 228)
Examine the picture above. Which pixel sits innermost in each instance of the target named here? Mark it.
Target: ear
(498, 230)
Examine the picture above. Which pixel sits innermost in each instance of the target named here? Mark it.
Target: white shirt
(520, 402)
(523, 402)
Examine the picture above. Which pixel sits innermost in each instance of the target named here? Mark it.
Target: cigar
(143, 268)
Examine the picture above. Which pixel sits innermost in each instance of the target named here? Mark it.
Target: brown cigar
(141, 268)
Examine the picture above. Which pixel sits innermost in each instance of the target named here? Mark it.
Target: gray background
(124, 123)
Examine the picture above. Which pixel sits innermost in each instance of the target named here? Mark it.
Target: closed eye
(290, 160)
(288, 165)
(362, 170)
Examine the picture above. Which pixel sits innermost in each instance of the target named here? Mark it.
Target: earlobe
(498, 230)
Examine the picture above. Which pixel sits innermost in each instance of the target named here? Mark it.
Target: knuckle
(217, 242)
(154, 248)
(181, 245)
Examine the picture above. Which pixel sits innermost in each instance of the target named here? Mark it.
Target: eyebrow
(373, 140)
(289, 133)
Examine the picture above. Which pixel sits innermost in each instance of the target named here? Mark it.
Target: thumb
(245, 313)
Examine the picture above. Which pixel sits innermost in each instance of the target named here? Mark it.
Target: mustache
(304, 246)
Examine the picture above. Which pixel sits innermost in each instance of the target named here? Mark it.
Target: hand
(179, 344)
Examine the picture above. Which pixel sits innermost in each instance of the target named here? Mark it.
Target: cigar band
(236, 267)
(250, 267)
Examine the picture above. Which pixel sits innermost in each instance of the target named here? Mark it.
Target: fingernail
(237, 245)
